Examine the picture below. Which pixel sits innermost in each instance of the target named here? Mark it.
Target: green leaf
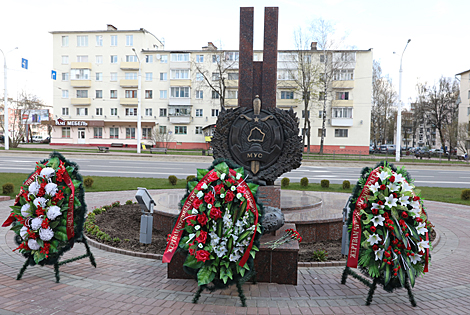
(397, 231)
(36, 256)
(222, 168)
(387, 274)
(69, 170)
(401, 276)
(191, 185)
(55, 243)
(240, 170)
(16, 228)
(253, 187)
(54, 224)
(192, 262)
(76, 203)
(205, 275)
(201, 173)
(60, 236)
(54, 163)
(62, 229)
(40, 242)
(76, 183)
(410, 271)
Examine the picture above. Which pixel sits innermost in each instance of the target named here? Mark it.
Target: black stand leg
(410, 293)
(89, 253)
(22, 270)
(56, 271)
(371, 291)
(197, 295)
(240, 294)
(344, 277)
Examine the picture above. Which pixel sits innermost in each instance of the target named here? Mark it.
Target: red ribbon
(426, 261)
(69, 183)
(356, 231)
(251, 204)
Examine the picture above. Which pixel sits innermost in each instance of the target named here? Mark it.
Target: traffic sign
(24, 63)
(54, 75)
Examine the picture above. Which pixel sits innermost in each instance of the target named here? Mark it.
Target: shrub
(325, 183)
(285, 182)
(116, 239)
(95, 230)
(97, 211)
(320, 255)
(346, 184)
(8, 188)
(115, 204)
(172, 179)
(128, 202)
(88, 182)
(190, 178)
(304, 182)
(465, 194)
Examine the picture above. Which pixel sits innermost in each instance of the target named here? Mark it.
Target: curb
(4, 198)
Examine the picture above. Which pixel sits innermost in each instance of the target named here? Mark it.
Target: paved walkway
(125, 284)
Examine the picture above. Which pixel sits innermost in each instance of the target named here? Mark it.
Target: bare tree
(463, 132)
(161, 138)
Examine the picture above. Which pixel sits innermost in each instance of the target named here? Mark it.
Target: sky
(439, 42)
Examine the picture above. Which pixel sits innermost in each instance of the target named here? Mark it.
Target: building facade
(96, 92)
(464, 106)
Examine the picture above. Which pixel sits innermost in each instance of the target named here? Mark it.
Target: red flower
(218, 188)
(373, 229)
(229, 196)
(58, 196)
(415, 198)
(192, 251)
(386, 215)
(213, 176)
(392, 179)
(231, 180)
(188, 221)
(380, 202)
(202, 255)
(40, 211)
(364, 205)
(418, 219)
(60, 174)
(382, 187)
(45, 223)
(202, 219)
(402, 222)
(215, 213)
(196, 203)
(391, 228)
(404, 214)
(241, 189)
(395, 195)
(387, 254)
(202, 238)
(209, 198)
(232, 172)
(375, 211)
(375, 247)
(45, 249)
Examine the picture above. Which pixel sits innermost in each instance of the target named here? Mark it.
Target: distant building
(464, 106)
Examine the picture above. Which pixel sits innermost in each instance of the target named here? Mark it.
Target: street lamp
(6, 136)
(398, 145)
(139, 109)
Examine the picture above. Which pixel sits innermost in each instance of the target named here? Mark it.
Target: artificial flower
(40, 202)
(51, 189)
(375, 187)
(222, 176)
(403, 200)
(215, 213)
(406, 187)
(421, 229)
(53, 212)
(46, 234)
(202, 238)
(34, 188)
(47, 172)
(415, 258)
(202, 255)
(393, 187)
(24, 232)
(373, 239)
(422, 245)
(399, 178)
(36, 224)
(199, 194)
(378, 220)
(391, 201)
(383, 176)
(213, 176)
(379, 254)
(26, 210)
(33, 244)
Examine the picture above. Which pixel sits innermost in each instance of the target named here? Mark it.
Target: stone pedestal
(270, 195)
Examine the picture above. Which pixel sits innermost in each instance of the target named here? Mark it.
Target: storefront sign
(62, 122)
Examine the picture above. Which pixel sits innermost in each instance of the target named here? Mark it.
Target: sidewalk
(125, 284)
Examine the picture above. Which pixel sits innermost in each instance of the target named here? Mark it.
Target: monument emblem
(260, 137)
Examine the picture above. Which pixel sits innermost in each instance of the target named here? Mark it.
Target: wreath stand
(241, 295)
(372, 286)
(57, 264)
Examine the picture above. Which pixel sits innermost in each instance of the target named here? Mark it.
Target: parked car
(387, 148)
(36, 138)
(371, 149)
(422, 153)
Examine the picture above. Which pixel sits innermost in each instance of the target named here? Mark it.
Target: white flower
(200, 245)
(34, 188)
(51, 189)
(24, 232)
(383, 176)
(26, 210)
(209, 206)
(406, 187)
(415, 204)
(379, 254)
(233, 188)
(204, 186)
(374, 188)
(222, 196)
(239, 195)
(220, 250)
(238, 176)
(46, 234)
(399, 178)
(40, 201)
(414, 212)
(378, 220)
(222, 176)
(393, 187)
(404, 200)
(36, 223)
(422, 245)
(373, 239)
(415, 258)
(47, 172)
(391, 201)
(200, 194)
(377, 206)
(53, 212)
(234, 257)
(194, 211)
(33, 244)
(421, 229)
(197, 227)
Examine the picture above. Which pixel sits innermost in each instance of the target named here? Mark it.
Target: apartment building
(464, 106)
(96, 93)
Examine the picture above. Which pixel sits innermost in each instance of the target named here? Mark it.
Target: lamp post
(6, 135)
(139, 109)
(398, 145)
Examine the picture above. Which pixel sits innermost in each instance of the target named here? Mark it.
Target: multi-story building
(96, 93)
(464, 106)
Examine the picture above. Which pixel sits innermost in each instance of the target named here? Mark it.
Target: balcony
(80, 83)
(231, 102)
(343, 84)
(129, 66)
(341, 122)
(129, 83)
(180, 82)
(180, 119)
(286, 103)
(128, 101)
(80, 65)
(80, 101)
(342, 103)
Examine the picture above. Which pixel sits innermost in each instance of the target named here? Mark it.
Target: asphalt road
(101, 166)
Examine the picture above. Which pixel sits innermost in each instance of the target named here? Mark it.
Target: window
(99, 112)
(344, 56)
(232, 94)
(179, 111)
(231, 56)
(131, 111)
(65, 93)
(162, 130)
(162, 112)
(181, 130)
(233, 76)
(113, 94)
(131, 93)
(179, 74)
(148, 94)
(113, 76)
(179, 91)
(113, 58)
(80, 74)
(344, 75)
(342, 95)
(65, 111)
(65, 41)
(320, 112)
(130, 75)
(82, 40)
(179, 57)
(65, 60)
(163, 76)
(99, 59)
(65, 76)
(322, 58)
(148, 112)
(342, 112)
(99, 40)
(215, 76)
(65, 132)
(114, 133)
(468, 93)
(341, 133)
(82, 111)
(303, 114)
(287, 95)
(199, 77)
(148, 58)
(199, 94)
(146, 133)
(148, 76)
(113, 40)
(198, 130)
(163, 94)
(287, 56)
(113, 111)
(97, 132)
(321, 96)
(199, 112)
(82, 58)
(82, 93)
(131, 58)
(164, 59)
(285, 75)
(130, 133)
(99, 76)
(319, 132)
(215, 58)
(99, 94)
(129, 40)
(215, 95)
(215, 112)
(199, 58)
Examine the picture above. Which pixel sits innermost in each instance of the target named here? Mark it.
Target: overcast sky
(438, 31)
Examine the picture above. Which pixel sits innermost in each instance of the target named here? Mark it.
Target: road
(100, 166)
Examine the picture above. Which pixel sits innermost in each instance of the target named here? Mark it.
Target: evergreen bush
(88, 182)
(285, 182)
(346, 184)
(172, 179)
(304, 182)
(325, 183)
(190, 178)
(8, 188)
(465, 194)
